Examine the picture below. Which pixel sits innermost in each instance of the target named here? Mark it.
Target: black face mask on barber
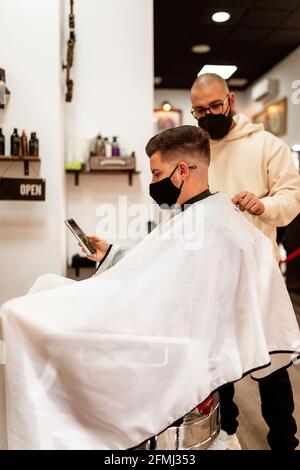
(217, 125)
(164, 192)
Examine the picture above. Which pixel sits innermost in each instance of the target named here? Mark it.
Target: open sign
(22, 189)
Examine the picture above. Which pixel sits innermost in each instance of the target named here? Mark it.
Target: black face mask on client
(164, 192)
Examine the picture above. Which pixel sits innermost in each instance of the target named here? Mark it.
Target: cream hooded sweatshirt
(251, 159)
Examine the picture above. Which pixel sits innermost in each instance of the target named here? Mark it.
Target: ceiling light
(296, 148)
(166, 106)
(225, 71)
(221, 16)
(201, 48)
(238, 82)
(157, 80)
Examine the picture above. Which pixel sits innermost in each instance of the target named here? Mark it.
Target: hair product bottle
(2, 143)
(99, 147)
(107, 145)
(24, 145)
(15, 144)
(33, 145)
(115, 147)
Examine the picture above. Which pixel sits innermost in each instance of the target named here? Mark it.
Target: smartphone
(81, 237)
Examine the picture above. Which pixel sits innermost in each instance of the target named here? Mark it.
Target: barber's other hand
(100, 245)
(249, 202)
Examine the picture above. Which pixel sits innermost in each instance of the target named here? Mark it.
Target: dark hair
(186, 140)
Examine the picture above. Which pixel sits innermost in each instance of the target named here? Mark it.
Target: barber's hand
(100, 245)
(249, 202)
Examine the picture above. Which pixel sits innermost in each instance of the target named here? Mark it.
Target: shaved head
(209, 79)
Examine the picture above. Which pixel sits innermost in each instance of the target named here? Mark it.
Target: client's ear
(183, 168)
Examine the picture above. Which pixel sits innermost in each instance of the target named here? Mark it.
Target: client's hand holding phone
(94, 247)
(100, 245)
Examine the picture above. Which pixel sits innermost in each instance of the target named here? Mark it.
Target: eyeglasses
(215, 108)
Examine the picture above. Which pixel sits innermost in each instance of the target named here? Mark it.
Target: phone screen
(81, 235)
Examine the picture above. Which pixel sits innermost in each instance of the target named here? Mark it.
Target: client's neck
(192, 193)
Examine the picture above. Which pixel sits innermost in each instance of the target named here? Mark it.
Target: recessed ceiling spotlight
(221, 16)
(238, 82)
(157, 80)
(201, 48)
(225, 71)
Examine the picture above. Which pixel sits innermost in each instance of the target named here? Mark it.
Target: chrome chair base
(196, 432)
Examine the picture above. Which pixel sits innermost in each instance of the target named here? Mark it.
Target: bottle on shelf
(99, 146)
(115, 147)
(2, 143)
(33, 145)
(24, 144)
(15, 144)
(108, 149)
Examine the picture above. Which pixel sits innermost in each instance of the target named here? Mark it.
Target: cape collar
(196, 198)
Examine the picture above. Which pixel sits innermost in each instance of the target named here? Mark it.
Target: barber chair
(195, 431)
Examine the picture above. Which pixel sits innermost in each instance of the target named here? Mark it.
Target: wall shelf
(25, 160)
(118, 171)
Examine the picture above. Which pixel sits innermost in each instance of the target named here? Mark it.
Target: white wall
(113, 93)
(286, 71)
(32, 236)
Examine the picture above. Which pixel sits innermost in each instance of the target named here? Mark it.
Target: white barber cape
(107, 362)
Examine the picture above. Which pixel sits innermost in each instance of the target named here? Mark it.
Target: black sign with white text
(22, 189)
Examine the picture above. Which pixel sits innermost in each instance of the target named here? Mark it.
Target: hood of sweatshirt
(243, 127)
